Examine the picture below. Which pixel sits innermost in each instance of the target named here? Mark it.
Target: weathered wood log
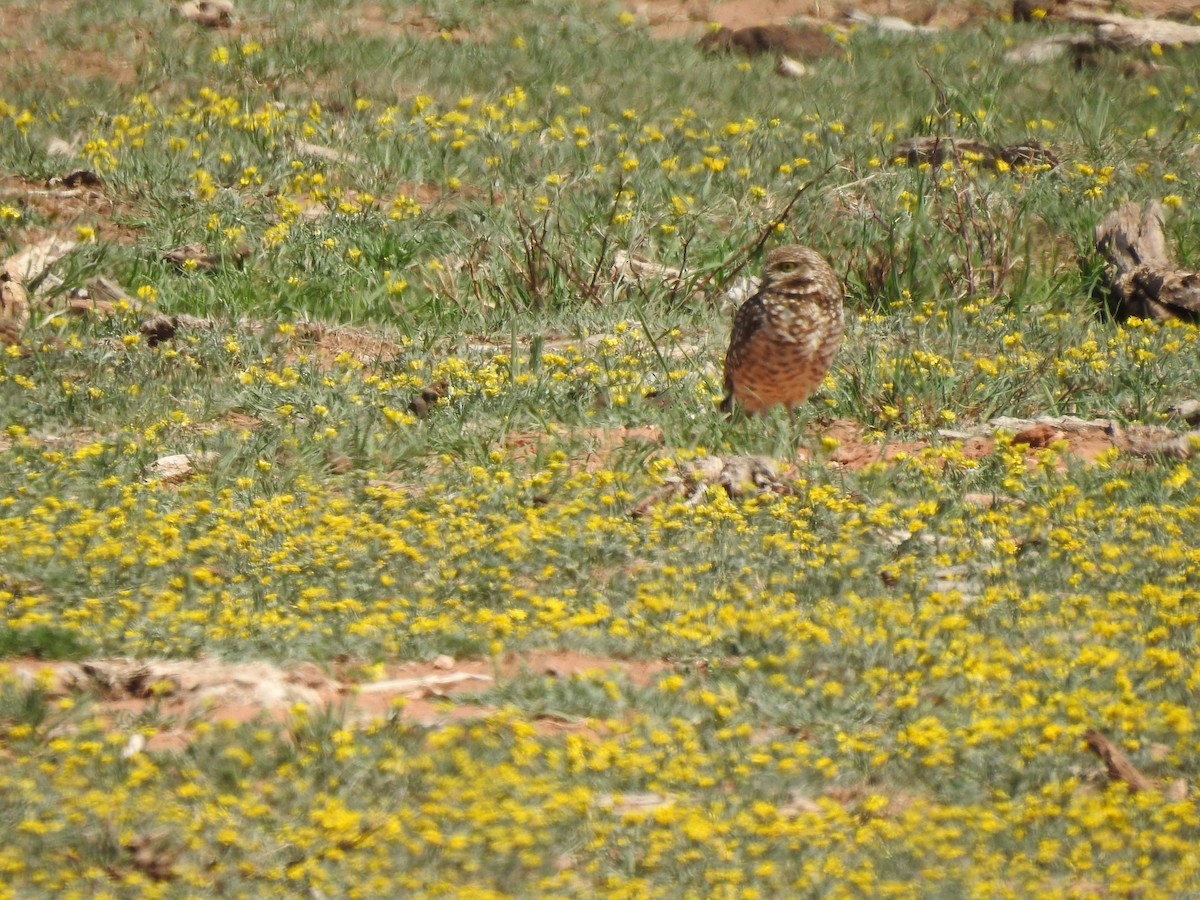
(1117, 763)
(1111, 32)
(1101, 12)
(1125, 32)
(1142, 279)
(937, 149)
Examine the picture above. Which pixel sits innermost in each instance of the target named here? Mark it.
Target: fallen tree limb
(1110, 32)
(1121, 32)
(1142, 279)
(1117, 763)
(937, 149)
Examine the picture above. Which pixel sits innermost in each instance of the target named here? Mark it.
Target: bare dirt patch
(331, 344)
(388, 20)
(1070, 437)
(601, 444)
(66, 207)
(374, 19)
(176, 694)
(691, 18)
(25, 46)
(682, 18)
(855, 451)
(1076, 438)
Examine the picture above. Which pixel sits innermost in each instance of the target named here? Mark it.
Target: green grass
(873, 685)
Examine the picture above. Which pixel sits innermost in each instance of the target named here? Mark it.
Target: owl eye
(787, 267)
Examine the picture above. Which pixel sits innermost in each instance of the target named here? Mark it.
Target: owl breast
(786, 367)
(785, 337)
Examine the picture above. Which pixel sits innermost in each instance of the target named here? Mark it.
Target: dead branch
(936, 149)
(1118, 764)
(1111, 32)
(1119, 32)
(1142, 280)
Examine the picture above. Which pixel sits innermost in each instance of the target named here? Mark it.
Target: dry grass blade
(752, 248)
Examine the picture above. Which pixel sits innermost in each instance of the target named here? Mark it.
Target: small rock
(329, 154)
(82, 303)
(1037, 437)
(310, 675)
(190, 257)
(59, 147)
(1033, 53)
(707, 470)
(1159, 752)
(136, 744)
(1188, 410)
(756, 40)
(798, 802)
(431, 394)
(892, 24)
(80, 178)
(209, 13)
(339, 463)
(987, 501)
(159, 328)
(790, 68)
(31, 262)
(444, 662)
(14, 300)
(10, 331)
(741, 290)
(634, 802)
(175, 468)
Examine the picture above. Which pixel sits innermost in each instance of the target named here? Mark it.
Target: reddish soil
(23, 48)
(602, 445)
(854, 452)
(179, 693)
(66, 208)
(692, 18)
(683, 18)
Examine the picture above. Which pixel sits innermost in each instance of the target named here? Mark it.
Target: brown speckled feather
(786, 335)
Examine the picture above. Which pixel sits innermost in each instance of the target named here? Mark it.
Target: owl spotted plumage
(786, 335)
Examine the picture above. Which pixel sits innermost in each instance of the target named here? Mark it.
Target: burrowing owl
(785, 336)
